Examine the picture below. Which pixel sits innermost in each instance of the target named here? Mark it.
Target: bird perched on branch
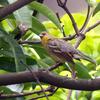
(62, 51)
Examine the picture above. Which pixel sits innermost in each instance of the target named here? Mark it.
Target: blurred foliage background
(12, 53)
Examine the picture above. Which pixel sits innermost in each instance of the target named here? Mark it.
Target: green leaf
(68, 27)
(97, 74)
(82, 72)
(11, 20)
(83, 98)
(3, 44)
(9, 24)
(84, 95)
(52, 29)
(48, 60)
(96, 95)
(6, 26)
(40, 50)
(43, 9)
(97, 0)
(7, 63)
(3, 2)
(87, 46)
(5, 89)
(34, 85)
(27, 85)
(97, 9)
(37, 27)
(16, 50)
(42, 64)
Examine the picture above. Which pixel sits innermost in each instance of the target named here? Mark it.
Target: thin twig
(82, 36)
(63, 5)
(57, 14)
(13, 95)
(79, 39)
(70, 37)
(81, 31)
(65, 2)
(29, 42)
(93, 26)
(44, 96)
(54, 66)
(64, 35)
(86, 20)
(37, 80)
(69, 95)
(70, 91)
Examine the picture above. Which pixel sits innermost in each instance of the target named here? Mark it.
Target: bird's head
(45, 37)
(43, 34)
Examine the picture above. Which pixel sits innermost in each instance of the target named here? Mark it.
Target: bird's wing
(59, 48)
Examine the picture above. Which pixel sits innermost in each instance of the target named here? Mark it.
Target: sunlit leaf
(52, 29)
(68, 27)
(87, 45)
(98, 0)
(97, 74)
(6, 26)
(37, 27)
(96, 95)
(65, 73)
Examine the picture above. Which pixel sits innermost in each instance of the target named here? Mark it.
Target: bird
(62, 51)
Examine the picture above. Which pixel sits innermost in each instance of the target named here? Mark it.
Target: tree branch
(29, 42)
(49, 78)
(79, 40)
(13, 7)
(47, 95)
(54, 66)
(93, 26)
(14, 95)
(64, 35)
(86, 20)
(63, 5)
(37, 80)
(82, 35)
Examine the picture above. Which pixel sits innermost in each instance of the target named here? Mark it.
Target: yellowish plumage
(60, 50)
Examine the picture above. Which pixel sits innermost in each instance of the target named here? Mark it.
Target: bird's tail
(80, 55)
